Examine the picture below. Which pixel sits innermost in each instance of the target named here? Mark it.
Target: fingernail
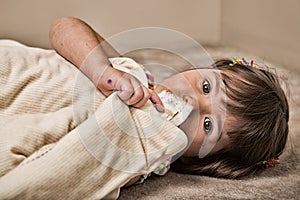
(159, 108)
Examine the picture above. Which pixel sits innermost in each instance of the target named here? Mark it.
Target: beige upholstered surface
(282, 182)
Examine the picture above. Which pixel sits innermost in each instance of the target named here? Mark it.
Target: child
(257, 113)
(257, 109)
(78, 43)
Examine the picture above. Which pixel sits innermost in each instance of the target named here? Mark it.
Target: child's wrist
(99, 76)
(108, 78)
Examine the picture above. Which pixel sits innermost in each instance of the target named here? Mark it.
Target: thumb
(154, 98)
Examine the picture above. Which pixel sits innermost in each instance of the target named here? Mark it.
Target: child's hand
(128, 88)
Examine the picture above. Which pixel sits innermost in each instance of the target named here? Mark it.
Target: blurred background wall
(28, 21)
(266, 28)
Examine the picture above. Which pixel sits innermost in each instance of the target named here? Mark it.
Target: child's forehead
(205, 73)
(217, 98)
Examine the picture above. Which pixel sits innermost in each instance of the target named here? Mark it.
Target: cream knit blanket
(99, 143)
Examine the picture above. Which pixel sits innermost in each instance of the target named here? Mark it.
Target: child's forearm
(75, 41)
(80, 44)
(107, 48)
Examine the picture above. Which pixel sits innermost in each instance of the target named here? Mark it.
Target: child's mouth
(176, 109)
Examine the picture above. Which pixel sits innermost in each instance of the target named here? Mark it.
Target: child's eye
(207, 125)
(206, 87)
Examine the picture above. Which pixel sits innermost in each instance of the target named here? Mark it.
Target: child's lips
(176, 108)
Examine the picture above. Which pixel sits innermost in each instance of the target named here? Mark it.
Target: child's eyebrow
(218, 80)
(219, 127)
(220, 113)
(220, 90)
(220, 136)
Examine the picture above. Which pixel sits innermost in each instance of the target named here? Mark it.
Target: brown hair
(256, 99)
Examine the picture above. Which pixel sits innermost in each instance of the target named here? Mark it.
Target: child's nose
(189, 100)
(198, 103)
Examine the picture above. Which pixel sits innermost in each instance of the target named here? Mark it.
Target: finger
(125, 89)
(146, 96)
(154, 98)
(138, 95)
(125, 95)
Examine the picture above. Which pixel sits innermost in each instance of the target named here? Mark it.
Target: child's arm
(87, 50)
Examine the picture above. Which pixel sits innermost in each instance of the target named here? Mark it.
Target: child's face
(205, 91)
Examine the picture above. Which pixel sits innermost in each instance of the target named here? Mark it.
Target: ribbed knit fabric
(91, 145)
